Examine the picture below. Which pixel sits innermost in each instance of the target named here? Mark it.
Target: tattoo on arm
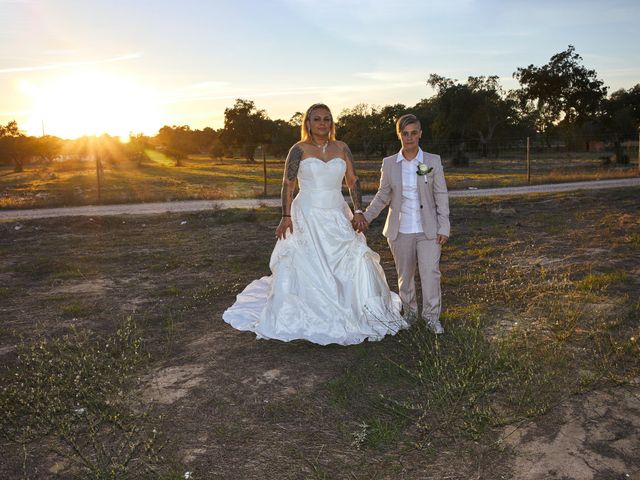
(293, 162)
(285, 199)
(356, 195)
(354, 190)
(291, 166)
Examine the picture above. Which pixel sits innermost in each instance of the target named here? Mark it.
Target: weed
(68, 274)
(42, 267)
(169, 331)
(170, 292)
(599, 282)
(463, 383)
(76, 310)
(74, 390)
(634, 239)
(343, 388)
(378, 432)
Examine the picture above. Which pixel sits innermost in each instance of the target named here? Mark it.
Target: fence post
(264, 168)
(99, 177)
(528, 163)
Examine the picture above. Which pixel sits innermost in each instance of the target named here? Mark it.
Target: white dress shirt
(410, 210)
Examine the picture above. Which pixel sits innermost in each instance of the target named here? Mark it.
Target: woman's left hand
(285, 224)
(359, 223)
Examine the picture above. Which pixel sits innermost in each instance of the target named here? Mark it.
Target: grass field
(118, 364)
(157, 179)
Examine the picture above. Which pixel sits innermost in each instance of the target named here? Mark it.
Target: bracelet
(286, 215)
(358, 211)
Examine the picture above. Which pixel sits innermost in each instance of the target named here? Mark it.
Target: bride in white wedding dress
(327, 285)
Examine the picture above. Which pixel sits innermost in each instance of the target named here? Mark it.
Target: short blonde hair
(406, 119)
(305, 133)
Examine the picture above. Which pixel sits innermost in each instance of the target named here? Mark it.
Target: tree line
(560, 101)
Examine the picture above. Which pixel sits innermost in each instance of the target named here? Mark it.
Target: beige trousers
(409, 250)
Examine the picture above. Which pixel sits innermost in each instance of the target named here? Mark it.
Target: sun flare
(91, 103)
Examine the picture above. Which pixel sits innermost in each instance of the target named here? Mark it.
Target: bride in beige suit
(412, 184)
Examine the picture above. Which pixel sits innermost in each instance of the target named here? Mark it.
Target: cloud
(380, 12)
(62, 65)
(398, 25)
(620, 72)
(228, 91)
(208, 85)
(391, 76)
(17, 113)
(57, 53)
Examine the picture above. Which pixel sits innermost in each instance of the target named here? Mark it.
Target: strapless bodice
(315, 174)
(321, 182)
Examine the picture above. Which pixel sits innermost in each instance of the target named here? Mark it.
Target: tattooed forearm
(291, 166)
(347, 153)
(356, 195)
(286, 197)
(354, 188)
(293, 162)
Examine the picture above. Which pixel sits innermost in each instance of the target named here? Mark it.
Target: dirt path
(198, 205)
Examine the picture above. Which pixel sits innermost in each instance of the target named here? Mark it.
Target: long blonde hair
(305, 133)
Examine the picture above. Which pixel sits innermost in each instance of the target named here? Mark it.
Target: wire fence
(514, 154)
(81, 179)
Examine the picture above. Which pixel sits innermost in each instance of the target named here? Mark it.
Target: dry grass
(533, 315)
(199, 177)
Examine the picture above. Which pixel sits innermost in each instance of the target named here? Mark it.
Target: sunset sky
(92, 66)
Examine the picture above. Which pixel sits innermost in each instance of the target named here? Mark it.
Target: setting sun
(90, 103)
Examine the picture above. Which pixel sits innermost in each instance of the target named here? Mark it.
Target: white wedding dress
(326, 285)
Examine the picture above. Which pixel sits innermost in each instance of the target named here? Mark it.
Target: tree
(561, 90)
(621, 118)
(359, 127)
(217, 149)
(296, 120)
(135, 149)
(245, 127)
(452, 122)
(281, 135)
(426, 111)
(176, 141)
(14, 145)
(385, 121)
(48, 147)
(491, 108)
(204, 140)
(474, 110)
(622, 112)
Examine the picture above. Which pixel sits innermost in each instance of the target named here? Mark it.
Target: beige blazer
(433, 194)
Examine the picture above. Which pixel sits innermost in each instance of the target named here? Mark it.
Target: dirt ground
(238, 408)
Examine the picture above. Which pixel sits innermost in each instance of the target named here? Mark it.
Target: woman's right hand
(285, 224)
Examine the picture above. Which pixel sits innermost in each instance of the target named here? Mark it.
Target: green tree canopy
(358, 127)
(469, 111)
(48, 147)
(245, 126)
(622, 112)
(14, 145)
(177, 141)
(281, 135)
(561, 90)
